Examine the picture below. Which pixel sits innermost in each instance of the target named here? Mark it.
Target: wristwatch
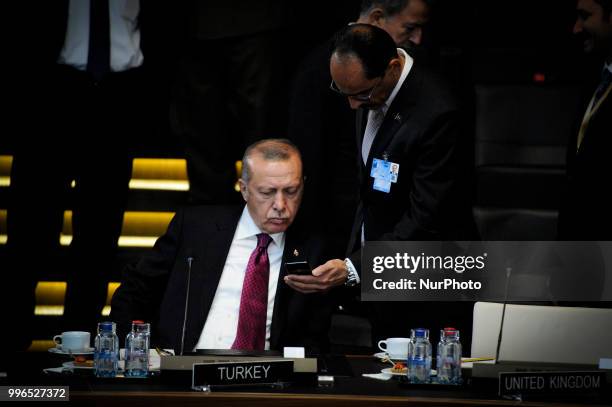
(352, 279)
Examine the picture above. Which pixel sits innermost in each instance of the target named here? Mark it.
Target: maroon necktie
(98, 56)
(251, 334)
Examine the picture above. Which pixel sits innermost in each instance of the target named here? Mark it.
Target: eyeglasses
(364, 96)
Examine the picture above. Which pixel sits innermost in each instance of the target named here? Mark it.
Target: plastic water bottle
(137, 350)
(449, 357)
(419, 360)
(106, 355)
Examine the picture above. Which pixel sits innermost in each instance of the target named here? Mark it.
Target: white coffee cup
(72, 340)
(396, 348)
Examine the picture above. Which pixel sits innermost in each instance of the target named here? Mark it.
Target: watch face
(350, 282)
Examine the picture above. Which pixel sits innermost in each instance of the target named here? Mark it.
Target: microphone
(189, 260)
(501, 326)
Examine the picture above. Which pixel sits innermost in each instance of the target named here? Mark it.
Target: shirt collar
(608, 67)
(247, 229)
(408, 62)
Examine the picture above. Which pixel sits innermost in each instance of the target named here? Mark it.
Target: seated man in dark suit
(215, 279)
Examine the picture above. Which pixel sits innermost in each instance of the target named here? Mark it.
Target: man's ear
(395, 63)
(243, 189)
(376, 17)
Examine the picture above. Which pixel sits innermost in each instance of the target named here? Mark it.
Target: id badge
(382, 185)
(381, 169)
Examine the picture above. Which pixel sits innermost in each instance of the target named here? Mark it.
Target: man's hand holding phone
(301, 268)
(323, 278)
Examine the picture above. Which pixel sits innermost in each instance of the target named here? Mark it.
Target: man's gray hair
(389, 7)
(272, 149)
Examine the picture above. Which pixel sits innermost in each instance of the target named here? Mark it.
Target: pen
(477, 359)
(162, 352)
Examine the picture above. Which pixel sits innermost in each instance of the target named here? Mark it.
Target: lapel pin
(397, 117)
(295, 253)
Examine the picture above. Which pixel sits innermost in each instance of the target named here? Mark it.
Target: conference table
(350, 388)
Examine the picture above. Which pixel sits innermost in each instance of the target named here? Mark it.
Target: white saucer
(387, 370)
(72, 366)
(59, 351)
(383, 355)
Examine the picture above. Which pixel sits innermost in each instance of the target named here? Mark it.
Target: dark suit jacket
(586, 211)
(430, 199)
(154, 290)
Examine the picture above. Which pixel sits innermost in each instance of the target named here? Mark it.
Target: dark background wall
(473, 41)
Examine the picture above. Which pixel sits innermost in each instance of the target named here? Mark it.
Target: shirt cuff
(352, 271)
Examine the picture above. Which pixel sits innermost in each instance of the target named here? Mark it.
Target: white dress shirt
(124, 35)
(222, 323)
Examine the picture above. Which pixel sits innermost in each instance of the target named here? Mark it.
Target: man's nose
(577, 26)
(279, 202)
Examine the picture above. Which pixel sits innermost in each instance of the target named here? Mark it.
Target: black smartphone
(298, 267)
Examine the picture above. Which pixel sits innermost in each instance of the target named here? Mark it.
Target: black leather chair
(521, 135)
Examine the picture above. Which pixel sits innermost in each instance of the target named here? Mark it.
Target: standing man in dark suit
(208, 249)
(323, 125)
(586, 213)
(406, 117)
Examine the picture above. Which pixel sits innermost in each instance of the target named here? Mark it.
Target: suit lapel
(601, 113)
(206, 273)
(294, 251)
(397, 114)
(362, 121)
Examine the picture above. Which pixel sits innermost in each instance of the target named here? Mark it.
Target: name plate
(550, 382)
(241, 373)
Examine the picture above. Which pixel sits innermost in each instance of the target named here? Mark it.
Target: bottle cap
(421, 333)
(451, 332)
(106, 326)
(141, 327)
